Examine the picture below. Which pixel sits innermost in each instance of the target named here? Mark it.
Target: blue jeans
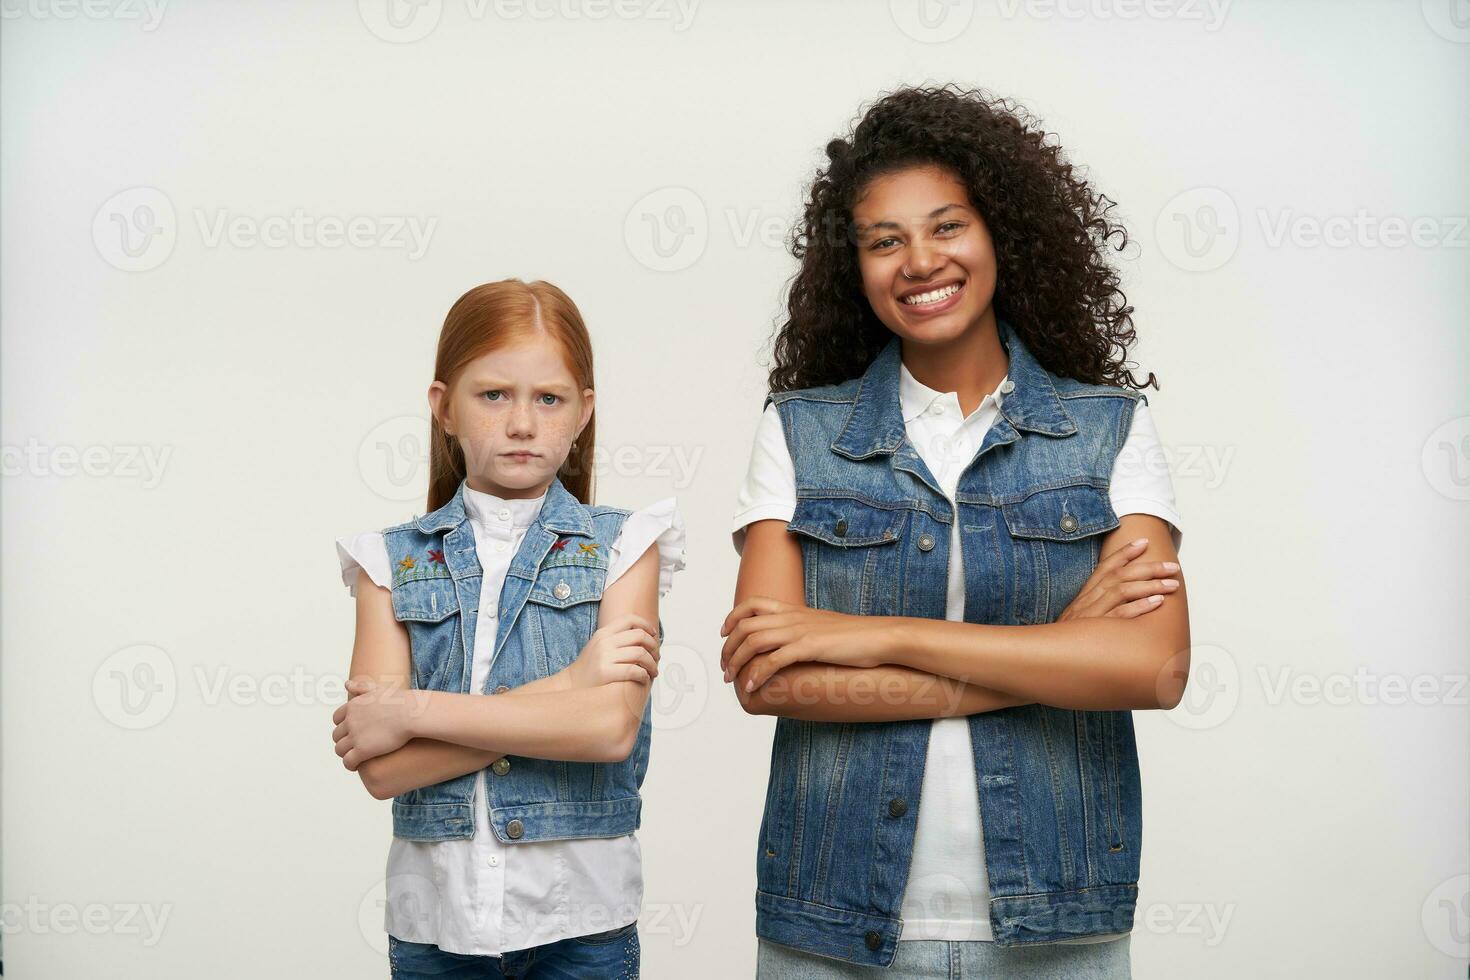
(611, 955)
(937, 959)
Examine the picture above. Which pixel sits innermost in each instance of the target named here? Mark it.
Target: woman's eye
(950, 224)
(553, 401)
(494, 396)
(882, 243)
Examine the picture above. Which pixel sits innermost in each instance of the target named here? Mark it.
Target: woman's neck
(970, 365)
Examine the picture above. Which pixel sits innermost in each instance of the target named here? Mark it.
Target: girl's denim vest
(548, 612)
(1059, 789)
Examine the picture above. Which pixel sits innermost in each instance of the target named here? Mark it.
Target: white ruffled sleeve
(364, 552)
(659, 523)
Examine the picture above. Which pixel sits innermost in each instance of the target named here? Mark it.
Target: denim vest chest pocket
(564, 602)
(850, 551)
(1057, 533)
(429, 608)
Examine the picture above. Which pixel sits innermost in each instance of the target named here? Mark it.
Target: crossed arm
(452, 734)
(823, 666)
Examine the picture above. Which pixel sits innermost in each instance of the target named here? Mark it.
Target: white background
(172, 805)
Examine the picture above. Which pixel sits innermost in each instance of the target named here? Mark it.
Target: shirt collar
(489, 510)
(915, 397)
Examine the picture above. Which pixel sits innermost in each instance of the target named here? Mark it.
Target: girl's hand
(1123, 588)
(374, 722)
(788, 634)
(625, 649)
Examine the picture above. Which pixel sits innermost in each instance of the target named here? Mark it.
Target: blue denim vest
(548, 612)
(1058, 789)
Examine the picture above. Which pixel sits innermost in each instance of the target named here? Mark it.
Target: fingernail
(749, 686)
(1141, 541)
(1170, 582)
(1155, 599)
(1171, 566)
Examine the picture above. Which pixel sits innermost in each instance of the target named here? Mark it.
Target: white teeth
(933, 297)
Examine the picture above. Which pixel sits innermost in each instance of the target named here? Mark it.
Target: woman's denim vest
(548, 612)
(1059, 789)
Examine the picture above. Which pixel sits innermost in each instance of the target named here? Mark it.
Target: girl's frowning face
(926, 257)
(515, 412)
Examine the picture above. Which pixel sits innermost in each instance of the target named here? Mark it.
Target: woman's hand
(781, 634)
(626, 649)
(1123, 588)
(374, 721)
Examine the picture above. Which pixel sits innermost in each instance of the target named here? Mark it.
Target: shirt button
(1007, 386)
(504, 514)
(926, 541)
(872, 939)
(494, 860)
(562, 590)
(500, 546)
(897, 807)
(500, 766)
(1069, 523)
(840, 529)
(515, 829)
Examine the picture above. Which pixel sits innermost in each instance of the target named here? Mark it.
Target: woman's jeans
(937, 959)
(611, 955)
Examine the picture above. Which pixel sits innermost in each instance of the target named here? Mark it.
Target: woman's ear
(439, 406)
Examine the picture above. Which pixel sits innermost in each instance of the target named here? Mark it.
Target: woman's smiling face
(515, 412)
(926, 257)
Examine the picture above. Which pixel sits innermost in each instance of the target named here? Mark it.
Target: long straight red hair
(487, 318)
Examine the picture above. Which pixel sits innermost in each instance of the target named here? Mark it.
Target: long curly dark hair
(1049, 227)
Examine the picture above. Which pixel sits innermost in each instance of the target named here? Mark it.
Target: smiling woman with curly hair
(959, 569)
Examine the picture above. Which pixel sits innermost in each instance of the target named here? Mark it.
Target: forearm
(592, 724)
(1096, 664)
(888, 692)
(424, 761)
(421, 762)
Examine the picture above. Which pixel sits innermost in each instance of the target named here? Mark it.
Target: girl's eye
(494, 396)
(554, 399)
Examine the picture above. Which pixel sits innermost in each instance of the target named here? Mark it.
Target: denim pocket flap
(1061, 513)
(426, 600)
(846, 522)
(566, 585)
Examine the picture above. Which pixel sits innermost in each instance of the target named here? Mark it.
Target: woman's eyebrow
(894, 225)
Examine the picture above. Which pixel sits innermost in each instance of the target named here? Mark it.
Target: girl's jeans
(937, 959)
(611, 955)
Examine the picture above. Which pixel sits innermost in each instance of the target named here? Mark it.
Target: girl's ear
(439, 405)
(588, 398)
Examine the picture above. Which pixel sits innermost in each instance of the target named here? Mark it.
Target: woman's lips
(519, 457)
(929, 309)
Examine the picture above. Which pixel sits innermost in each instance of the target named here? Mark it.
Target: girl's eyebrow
(864, 229)
(485, 384)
